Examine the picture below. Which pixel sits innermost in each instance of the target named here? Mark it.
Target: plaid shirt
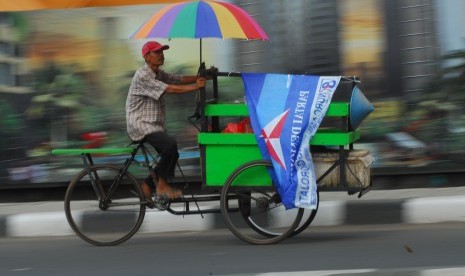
(145, 104)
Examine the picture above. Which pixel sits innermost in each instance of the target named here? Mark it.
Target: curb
(411, 271)
(331, 213)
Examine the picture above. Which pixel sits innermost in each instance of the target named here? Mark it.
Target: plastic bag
(242, 126)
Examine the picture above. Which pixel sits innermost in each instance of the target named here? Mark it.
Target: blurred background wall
(64, 76)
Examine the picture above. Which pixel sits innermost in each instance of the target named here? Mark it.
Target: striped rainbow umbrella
(201, 19)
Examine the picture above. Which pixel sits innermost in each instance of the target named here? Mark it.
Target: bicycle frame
(95, 180)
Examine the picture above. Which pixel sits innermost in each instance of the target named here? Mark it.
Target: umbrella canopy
(201, 19)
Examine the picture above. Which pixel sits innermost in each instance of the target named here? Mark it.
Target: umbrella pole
(200, 50)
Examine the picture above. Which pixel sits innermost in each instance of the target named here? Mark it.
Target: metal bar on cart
(215, 120)
(186, 201)
(228, 74)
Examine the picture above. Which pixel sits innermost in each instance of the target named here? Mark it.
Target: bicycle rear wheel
(254, 213)
(107, 212)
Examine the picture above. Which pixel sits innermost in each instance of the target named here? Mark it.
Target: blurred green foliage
(11, 122)
(437, 116)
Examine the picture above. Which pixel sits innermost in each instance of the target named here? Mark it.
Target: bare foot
(164, 189)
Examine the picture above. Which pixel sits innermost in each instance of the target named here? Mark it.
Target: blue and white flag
(285, 112)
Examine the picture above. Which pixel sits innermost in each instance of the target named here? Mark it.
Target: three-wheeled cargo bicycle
(104, 204)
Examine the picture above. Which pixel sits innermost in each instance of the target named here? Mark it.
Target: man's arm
(188, 79)
(184, 88)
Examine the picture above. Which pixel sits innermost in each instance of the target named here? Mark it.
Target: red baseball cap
(153, 46)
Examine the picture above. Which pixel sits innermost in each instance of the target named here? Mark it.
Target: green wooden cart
(105, 206)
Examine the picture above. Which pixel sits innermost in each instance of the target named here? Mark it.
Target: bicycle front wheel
(252, 209)
(103, 208)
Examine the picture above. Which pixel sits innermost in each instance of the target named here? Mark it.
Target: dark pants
(167, 148)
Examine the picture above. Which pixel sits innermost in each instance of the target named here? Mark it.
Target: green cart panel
(336, 109)
(224, 159)
(225, 152)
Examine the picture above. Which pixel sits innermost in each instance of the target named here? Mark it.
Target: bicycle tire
(307, 221)
(97, 219)
(245, 206)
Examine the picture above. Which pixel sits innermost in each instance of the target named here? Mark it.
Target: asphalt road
(350, 250)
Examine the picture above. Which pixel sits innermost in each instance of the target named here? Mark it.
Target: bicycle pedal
(161, 203)
(150, 204)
